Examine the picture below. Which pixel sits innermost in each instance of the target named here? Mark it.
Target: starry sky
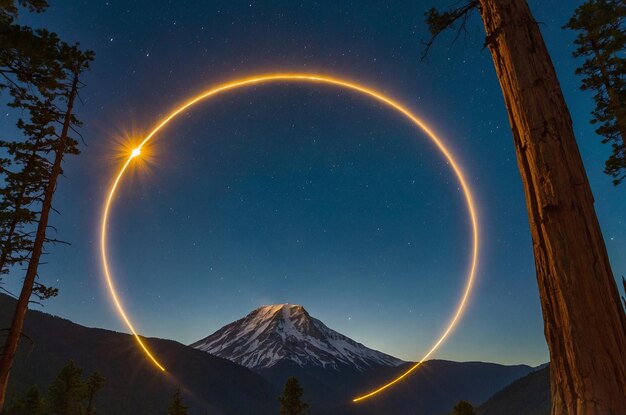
(305, 194)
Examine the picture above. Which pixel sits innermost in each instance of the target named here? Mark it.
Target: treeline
(71, 394)
(68, 394)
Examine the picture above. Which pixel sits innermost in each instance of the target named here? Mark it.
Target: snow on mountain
(286, 332)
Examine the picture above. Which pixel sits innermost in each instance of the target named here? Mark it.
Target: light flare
(310, 78)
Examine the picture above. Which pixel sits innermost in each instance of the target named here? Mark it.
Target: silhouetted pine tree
(67, 393)
(31, 75)
(601, 41)
(92, 386)
(290, 401)
(463, 408)
(32, 403)
(176, 406)
(42, 76)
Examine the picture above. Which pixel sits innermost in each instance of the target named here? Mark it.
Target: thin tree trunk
(89, 409)
(585, 326)
(10, 346)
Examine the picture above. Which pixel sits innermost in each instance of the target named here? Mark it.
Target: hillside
(221, 387)
(529, 395)
(134, 386)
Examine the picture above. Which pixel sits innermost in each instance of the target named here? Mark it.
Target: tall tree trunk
(15, 331)
(585, 326)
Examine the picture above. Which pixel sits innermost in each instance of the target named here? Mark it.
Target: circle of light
(309, 78)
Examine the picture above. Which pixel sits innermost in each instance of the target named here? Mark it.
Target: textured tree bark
(585, 326)
(15, 331)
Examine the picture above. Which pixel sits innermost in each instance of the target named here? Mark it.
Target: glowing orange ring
(298, 77)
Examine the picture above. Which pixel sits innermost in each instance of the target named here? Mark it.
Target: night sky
(300, 193)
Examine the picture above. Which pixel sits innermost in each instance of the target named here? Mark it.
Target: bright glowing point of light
(328, 80)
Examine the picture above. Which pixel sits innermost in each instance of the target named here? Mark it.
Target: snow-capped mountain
(287, 333)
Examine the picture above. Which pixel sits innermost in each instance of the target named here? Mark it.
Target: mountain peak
(275, 308)
(278, 333)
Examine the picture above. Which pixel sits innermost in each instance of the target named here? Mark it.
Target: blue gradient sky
(316, 196)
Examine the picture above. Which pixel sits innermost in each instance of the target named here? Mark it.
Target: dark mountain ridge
(214, 385)
(134, 386)
(529, 395)
(283, 340)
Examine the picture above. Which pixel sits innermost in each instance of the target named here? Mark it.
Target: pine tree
(42, 75)
(9, 8)
(92, 387)
(585, 326)
(32, 403)
(601, 40)
(30, 75)
(290, 401)
(176, 406)
(25, 173)
(463, 408)
(67, 393)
